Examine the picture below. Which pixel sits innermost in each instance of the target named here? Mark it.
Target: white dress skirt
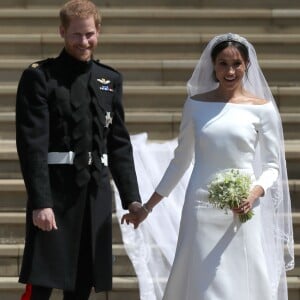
(217, 256)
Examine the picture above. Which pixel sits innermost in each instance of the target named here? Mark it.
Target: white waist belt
(68, 158)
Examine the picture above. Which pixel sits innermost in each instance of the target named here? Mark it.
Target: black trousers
(84, 277)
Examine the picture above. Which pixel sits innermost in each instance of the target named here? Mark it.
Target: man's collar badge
(34, 65)
(104, 85)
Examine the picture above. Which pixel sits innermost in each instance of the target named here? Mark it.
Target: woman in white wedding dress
(229, 121)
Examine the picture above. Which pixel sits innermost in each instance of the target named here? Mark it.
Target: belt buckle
(90, 158)
(104, 159)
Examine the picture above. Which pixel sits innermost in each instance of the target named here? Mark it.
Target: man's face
(81, 37)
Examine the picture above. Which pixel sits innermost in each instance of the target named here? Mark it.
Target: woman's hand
(245, 207)
(136, 217)
(248, 203)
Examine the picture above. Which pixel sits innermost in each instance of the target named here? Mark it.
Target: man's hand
(44, 219)
(134, 206)
(136, 215)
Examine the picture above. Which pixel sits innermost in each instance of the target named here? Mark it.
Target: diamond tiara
(230, 37)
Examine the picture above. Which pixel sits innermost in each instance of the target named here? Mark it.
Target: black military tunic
(67, 105)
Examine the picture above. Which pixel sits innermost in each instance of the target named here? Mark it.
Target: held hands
(137, 214)
(44, 219)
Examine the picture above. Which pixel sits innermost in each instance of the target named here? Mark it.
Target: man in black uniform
(70, 133)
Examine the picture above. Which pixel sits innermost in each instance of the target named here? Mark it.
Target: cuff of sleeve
(126, 204)
(161, 191)
(267, 179)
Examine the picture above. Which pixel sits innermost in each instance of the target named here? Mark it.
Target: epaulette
(97, 61)
(41, 63)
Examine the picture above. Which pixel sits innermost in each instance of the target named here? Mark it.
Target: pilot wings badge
(105, 85)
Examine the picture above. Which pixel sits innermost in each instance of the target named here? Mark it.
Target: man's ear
(98, 29)
(62, 31)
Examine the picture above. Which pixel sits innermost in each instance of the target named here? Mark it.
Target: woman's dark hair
(223, 45)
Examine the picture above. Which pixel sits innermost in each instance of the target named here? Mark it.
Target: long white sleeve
(269, 147)
(267, 178)
(183, 154)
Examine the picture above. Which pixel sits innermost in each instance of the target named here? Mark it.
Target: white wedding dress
(217, 257)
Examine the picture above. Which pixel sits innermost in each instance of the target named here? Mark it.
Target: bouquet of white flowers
(228, 189)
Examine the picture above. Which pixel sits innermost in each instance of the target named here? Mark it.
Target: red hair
(81, 9)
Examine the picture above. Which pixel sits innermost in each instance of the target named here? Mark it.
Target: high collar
(74, 65)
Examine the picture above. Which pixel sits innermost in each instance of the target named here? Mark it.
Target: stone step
(293, 288)
(164, 98)
(123, 288)
(159, 124)
(160, 19)
(280, 73)
(146, 45)
(294, 186)
(11, 256)
(296, 270)
(12, 228)
(9, 288)
(13, 195)
(296, 225)
(159, 127)
(148, 96)
(160, 3)
(157, 98)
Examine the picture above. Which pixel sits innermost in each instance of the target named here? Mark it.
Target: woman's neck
(228, 95)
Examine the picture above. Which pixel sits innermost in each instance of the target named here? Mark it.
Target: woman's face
(230, 67)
